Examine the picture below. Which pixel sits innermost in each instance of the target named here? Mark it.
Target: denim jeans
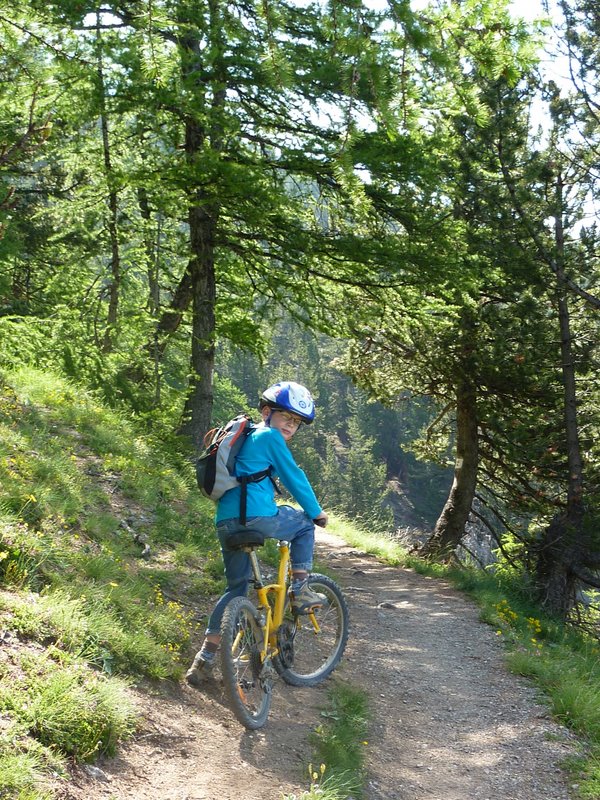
(294, 526)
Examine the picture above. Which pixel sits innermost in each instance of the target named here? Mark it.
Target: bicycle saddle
(245, 539)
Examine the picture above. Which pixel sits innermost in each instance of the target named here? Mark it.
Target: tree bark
(170, 318)
(152, 249)
(168, 322)
(203, 216)
(557, 554)
(564, 547)
(198, 407)
(450, 526)
(113, 208)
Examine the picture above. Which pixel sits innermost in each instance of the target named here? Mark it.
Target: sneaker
(199, 671)
(304, 599)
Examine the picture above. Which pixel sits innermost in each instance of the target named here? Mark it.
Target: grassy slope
(82, 613)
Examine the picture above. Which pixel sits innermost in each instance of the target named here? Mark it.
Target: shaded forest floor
(449, 722)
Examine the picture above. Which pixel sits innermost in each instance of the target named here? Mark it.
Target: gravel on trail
(449, 722)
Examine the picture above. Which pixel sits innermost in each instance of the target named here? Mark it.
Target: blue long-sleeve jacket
(265, 447)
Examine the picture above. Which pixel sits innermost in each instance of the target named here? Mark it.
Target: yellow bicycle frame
(273, 612)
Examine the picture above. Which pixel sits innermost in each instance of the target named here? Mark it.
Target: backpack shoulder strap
(244, 480)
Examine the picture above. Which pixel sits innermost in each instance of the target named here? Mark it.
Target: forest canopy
(390, 202)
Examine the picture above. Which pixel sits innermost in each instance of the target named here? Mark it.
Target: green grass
(586, 771)
(381, 546)
(86, 614)
(580, 674)
(339, 744)
(20, 774)
(68, 707)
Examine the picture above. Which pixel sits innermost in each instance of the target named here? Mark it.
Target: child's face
(285, 422)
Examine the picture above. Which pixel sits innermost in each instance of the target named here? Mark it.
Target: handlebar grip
(320, 522)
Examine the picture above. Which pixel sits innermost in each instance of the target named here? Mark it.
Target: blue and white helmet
(290, 396)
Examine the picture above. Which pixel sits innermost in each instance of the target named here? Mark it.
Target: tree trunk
(557, 554)
(168, 322)
(198, 407)
(450, 527)
(152, 252)
(564, 547)
(170, 318)
(113, 208)
(152, 248)
(203, 218)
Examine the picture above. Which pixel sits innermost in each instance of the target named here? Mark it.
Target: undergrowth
(83, 494)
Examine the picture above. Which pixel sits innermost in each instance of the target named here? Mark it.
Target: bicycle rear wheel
(245, 678)
(312, 648)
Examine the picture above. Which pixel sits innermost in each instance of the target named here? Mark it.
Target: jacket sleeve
(290, 474)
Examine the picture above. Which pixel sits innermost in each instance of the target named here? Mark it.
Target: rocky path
(449, 721)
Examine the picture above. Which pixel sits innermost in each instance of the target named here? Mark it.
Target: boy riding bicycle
(284, 407)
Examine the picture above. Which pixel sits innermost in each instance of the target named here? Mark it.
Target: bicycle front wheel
(245, 679)
(311, 646)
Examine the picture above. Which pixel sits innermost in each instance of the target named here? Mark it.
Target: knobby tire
(241, 643)
(315, 654)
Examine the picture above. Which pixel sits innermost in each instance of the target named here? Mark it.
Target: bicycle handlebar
(320, 522)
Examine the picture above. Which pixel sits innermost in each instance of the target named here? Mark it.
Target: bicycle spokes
(246, 681)
(314, 643)
(304, 649)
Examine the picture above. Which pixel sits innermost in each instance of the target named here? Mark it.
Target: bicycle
(259, 642)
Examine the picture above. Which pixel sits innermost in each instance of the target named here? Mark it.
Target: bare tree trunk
(167, 323)
(152, 249)
(115, 257)
(170, 318)
(450, 526)
(198, 407)
(152, 241)
(564, 548)
(203, 216)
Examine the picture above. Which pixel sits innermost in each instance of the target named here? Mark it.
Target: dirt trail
(449, 722)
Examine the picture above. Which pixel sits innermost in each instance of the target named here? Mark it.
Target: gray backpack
(215, 467)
